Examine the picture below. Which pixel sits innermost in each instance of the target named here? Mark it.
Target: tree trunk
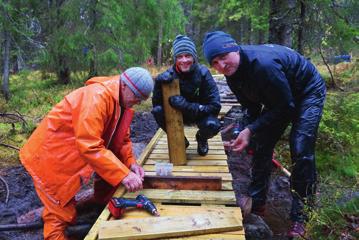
(332, 83)
(159, 44)
(261, 32)
(63, 70)
(249, 31)
(6, 69)
(281, 22)
(93, 65)
(63, 73)
(301, 27)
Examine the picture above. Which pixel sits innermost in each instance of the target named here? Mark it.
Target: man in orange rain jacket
(87, 132)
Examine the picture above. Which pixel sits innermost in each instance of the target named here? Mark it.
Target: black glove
(165, 77)
(180, 103)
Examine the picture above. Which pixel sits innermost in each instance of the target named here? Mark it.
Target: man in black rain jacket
(277, 86)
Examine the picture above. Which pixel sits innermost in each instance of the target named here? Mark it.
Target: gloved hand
(180, 103)
(165, 77)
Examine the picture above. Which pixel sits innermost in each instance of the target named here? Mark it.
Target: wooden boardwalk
(180, 203)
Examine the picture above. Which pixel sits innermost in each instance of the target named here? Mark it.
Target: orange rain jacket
(79, 136)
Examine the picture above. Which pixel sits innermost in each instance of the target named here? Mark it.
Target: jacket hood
(111, 83)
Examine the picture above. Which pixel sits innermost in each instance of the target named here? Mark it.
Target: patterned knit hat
(216, 43)
(139, 80)
(183, 44)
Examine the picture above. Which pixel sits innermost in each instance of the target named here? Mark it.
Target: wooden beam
(186, 196)
(174, 125)
(225, 176)
(202, 169)
(164, 227)
(183, 183)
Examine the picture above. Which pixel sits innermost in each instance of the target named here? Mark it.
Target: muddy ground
(22, 197)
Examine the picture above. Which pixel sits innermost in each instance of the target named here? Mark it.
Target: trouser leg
(208, 127)
(262, 161)
(55, 225)
(159, 116)
(56, 217)
(103, 191)
(302, 144)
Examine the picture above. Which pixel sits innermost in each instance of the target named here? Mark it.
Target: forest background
(51, 47)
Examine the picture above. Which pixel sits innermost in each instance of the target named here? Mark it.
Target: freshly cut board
(170, 226)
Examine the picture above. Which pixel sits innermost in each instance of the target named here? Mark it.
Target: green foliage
(107, 34)
(333, 221)
(34, 96)
(338, 135)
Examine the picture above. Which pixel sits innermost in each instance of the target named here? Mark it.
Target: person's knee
(209, 127)
(158, 114)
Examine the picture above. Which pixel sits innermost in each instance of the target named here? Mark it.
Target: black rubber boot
(202, 145)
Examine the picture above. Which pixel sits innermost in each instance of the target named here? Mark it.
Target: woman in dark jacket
(199, 101)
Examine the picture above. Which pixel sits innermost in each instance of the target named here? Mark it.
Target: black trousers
(208, 126)
(302, 140)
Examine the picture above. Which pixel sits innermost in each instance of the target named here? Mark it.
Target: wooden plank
(193, 151)
(191, 147)
(238, 235)
(186, 196)
(192, 162)
(189, 156)
(175, 226)
(225, 176)
(182, 210)
(183, 183)
(194, 143)
(193, 139)
(202, 169)
(105, 214)
(174, 124)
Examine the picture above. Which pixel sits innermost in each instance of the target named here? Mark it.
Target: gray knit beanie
(183, 44)
(139, 80)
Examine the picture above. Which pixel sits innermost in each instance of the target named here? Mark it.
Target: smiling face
(184, 62)
(226, 63)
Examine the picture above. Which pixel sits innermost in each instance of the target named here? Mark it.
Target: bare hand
(132, 182)
(138, 170)
(240, 143)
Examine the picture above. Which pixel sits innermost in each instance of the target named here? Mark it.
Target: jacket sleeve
(277, 96)
(209, 94)
(157, 98)
(92, 111)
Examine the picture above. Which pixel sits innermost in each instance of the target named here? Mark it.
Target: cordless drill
(117, 206)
